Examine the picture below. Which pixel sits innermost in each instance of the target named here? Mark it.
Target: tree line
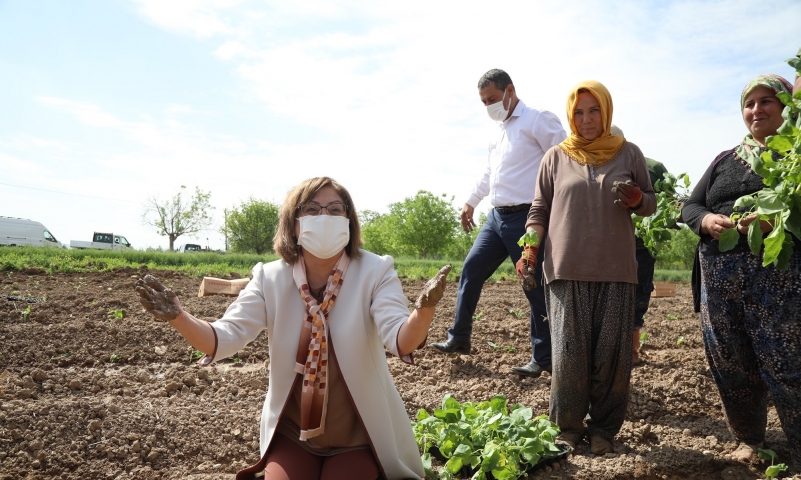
(422, 226)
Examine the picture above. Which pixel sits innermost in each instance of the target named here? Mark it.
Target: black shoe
(531, 370)
(452, 346)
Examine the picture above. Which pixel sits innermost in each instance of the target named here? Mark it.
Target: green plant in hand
(657, 230)
(529, 239)
(486, 437)
(779, 202)
(773, 470)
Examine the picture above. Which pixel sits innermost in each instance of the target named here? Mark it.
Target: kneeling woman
(587, 188)
(330, 309)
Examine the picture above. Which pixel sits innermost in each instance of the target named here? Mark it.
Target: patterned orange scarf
(602, 150)
(312, 357)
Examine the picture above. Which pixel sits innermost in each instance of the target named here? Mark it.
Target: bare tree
(179, 216)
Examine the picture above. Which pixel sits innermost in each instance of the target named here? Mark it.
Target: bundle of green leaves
(485, 437)
(658, 229)
(780, 201)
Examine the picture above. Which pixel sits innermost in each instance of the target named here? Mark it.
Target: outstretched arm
(163, 304)
(415, 329)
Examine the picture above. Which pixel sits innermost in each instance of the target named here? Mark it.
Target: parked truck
(189, 247)
(103, 241)
(23, 232)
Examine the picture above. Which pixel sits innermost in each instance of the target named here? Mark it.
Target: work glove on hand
(157, 299)
(628, 194)
(434, 289)
(525, 267)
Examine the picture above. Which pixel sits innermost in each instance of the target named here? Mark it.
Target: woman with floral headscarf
(587, 188)
(750, 314)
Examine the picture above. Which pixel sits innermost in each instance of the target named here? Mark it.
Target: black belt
(513, 208)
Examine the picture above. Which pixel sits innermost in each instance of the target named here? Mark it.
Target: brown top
(343, 428)
(588, 237)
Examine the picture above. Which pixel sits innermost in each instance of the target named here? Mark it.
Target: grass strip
(199, 264)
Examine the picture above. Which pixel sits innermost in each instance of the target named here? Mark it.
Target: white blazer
(365, 319)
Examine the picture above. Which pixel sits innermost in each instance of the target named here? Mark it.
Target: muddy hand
(528, 281)
(157, 299)
(628, 194)
(433, 290)
(525, 267)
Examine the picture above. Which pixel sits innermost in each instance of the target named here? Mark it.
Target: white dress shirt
(515, 156)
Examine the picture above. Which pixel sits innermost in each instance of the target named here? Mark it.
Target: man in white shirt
(510, 179)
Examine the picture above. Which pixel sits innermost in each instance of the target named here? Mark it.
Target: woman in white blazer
(330, 311)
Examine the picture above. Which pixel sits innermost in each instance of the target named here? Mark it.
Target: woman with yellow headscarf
(587, 188)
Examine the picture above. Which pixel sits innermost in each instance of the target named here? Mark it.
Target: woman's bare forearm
(414, 330)
(197, 332)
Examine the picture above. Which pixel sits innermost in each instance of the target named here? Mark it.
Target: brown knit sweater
(589, 238)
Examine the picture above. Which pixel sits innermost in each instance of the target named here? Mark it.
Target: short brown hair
(285, 242)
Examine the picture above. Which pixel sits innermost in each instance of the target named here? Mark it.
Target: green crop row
(218, 264)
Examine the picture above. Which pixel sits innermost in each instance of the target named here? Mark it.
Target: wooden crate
(219, 286)
(664, 289)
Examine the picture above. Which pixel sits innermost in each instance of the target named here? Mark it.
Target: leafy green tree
(423, 225)
(179, 215)
(376, 233)
(463, 241)
(678, 252)
(250, 228)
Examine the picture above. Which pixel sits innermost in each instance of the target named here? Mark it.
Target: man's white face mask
(496, 111)
(323, 235)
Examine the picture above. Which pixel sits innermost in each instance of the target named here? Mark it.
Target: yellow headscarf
(604, 148)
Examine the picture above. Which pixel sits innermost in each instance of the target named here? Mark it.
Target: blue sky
(106, 103)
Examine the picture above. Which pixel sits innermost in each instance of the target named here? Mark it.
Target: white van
(23, 232)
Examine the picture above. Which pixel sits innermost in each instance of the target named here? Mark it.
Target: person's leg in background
(645, 285)
(486, 255)
(513, 226)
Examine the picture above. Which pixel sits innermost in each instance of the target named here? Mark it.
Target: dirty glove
(525, 267)
(157, 299)
(628, 194)
(433, 290)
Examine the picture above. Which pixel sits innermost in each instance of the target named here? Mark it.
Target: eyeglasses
(336, 209)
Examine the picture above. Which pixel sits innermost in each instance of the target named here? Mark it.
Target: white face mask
(496, 111)
(323, 235)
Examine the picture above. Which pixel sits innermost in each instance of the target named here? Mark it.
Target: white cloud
(229, 50)
(199, 18)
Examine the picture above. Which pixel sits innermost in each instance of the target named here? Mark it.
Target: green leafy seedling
(26, 313)
(118, 313)
(488, 437)
(478, 316)
(114, 358)
(59, 357)
(195, 355)
(530, 239)
(644, 338)
(773, 470)
(501, 348)
(517, 312)
(680, 341)
(670, 316)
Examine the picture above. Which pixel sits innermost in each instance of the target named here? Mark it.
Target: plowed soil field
(87, 395)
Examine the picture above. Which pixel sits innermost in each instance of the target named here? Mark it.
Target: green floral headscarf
(749, 149)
